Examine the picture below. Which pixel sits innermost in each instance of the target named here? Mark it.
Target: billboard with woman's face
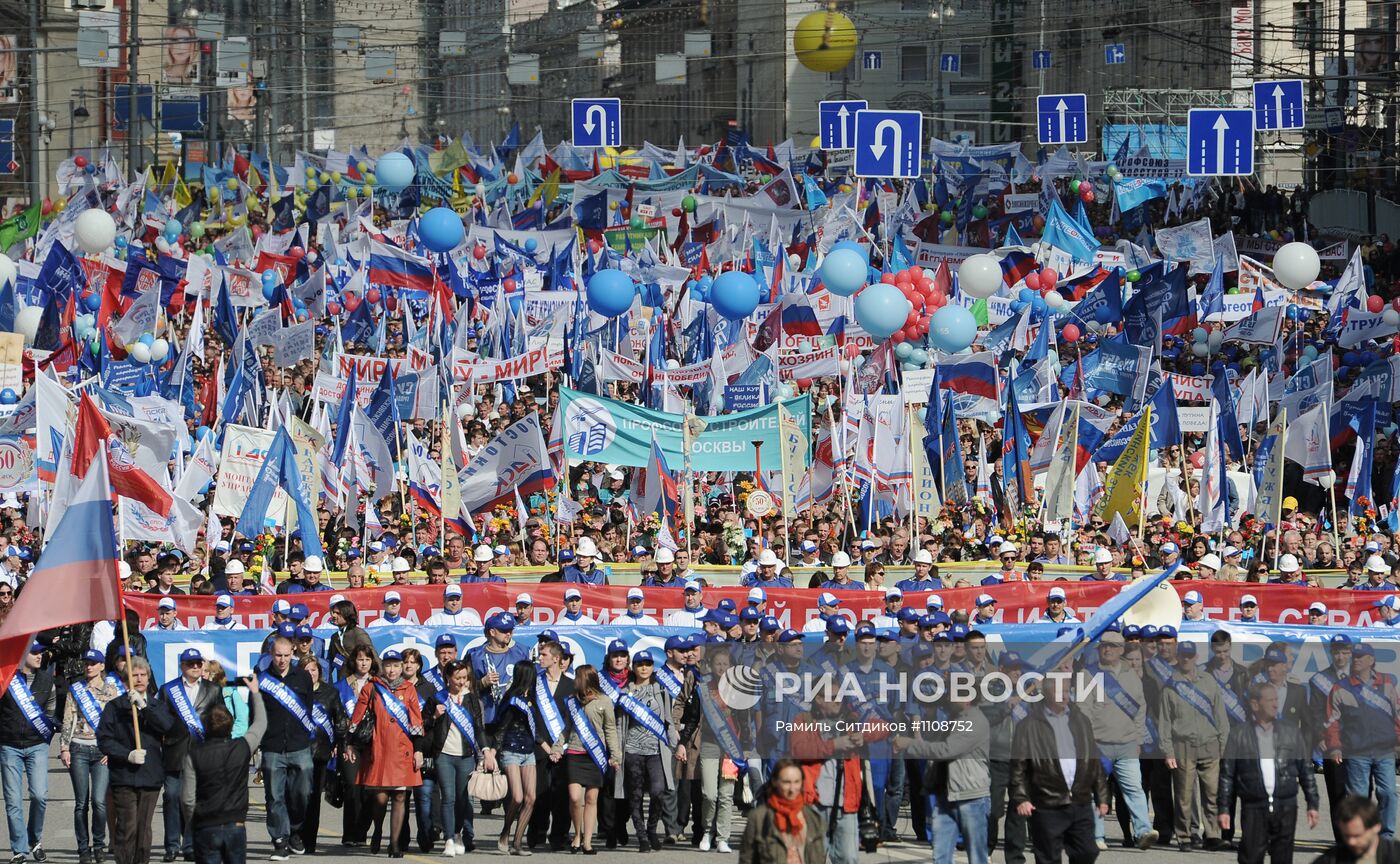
(180, 60)
(9, 68)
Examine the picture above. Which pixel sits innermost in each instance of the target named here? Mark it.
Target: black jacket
(1387, 853)
(116, 740)
(437, 727)
(1241, 777)
(285, 734)
(328, 698)
(177, 744)
(1035, 767)
(15, 728)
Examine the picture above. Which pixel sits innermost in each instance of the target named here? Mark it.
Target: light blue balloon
(952, 328)
(908, 365)
(394, 172)
(610, 293)
(881, 310)
(531, 244)
(1199, 334)
(734, 295)
(147, 339)
(172, 229)
(269, 278)
(904, 351)
(441, 230)
(843, 272)
(919, 357)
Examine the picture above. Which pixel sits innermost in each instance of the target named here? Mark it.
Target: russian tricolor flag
(975, 375)
(390, 265)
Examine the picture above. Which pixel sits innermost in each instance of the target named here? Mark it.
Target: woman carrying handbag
(650, 743)
(329, 717)
(392, 763)
(363, 665)
(512, 739)
(455, 741)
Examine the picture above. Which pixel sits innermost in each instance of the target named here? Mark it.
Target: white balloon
(160, 349)
(141, 352)
(8, 271)
(673, 364)
(1055, 300)
(1296, 265)
(1215, 339)
(1390, 316)
(27, 322)
(795, 261)
(94, 230)
(980, 276)
(162, 244)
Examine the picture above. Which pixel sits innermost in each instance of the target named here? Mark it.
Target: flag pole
(126, 643)
(1142, 508)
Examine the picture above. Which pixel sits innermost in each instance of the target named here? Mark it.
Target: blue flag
(279, 470)
(383, 410)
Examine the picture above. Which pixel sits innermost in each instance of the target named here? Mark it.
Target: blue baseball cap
(789, 635)
(727, 605)
(1010, 660)
(391, 655)
(749, 614)
(299, 612)
(304, 631)
(1186, 649)
(945, 636)
(189, 655)
(837, 625)
(444, 640)
(865, 630)
(500, 621)
(1148, 631)
(906, 615)
(287, 629)
(959, 632)
(1166, 632)
(769, 624)
(643, 656)
(675, 643)
(1274, 655)
(92, 655)
(726, 620)
(566, 555)
(1363, 650)
(1340, 639)
(927, 622)
(1132, 631)
(617, 646)
(922, 650)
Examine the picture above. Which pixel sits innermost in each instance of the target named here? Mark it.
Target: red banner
(1018, 602)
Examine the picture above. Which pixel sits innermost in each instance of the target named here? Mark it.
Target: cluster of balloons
(1084, 189)
(1206, 342)
(148, 349)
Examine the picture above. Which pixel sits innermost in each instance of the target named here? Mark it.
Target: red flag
(76, 577)
(93, 435)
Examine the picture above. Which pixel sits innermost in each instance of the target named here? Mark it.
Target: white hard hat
(483, 553)
(1103, 556)
(665, 556)
(124, 569)
(401, 565)
(1008, 549)
(1212, 561)
(923, 556)
(234, 567)
(1374, 564)
(767, 558)
(586, 548)
(313, 564)
(840, 559)
(1289, 563)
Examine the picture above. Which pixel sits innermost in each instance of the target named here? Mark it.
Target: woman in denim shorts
(513, 736)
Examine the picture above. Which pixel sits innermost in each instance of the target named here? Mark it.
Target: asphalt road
(59, 839)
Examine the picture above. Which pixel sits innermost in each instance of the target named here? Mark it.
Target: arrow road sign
(838, 123)
(1278, 105)
(889, 143)
(1062, 118)
(951, 63)
(1114, 54)
(597, 122)
(1040, 59)
(1220, 142)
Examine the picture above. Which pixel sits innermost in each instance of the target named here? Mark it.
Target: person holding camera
(214, 782)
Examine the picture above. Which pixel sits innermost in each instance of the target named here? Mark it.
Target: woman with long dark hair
(455, 741)
(591, 748)
(393, 761)
(511, 740)
(646, 756)
(329, 716)
(422, 795)
(782, 827)
(362, 667)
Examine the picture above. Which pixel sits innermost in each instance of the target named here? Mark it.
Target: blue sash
(1193, 696)
(670, 680)
(1370, 697)
(397, 710)
(1323, 682)
(597, 750)
(524, 707)
(1019, 712)
(19, 691)
(725, 735)
(1161, 668)
(121, 688)
(1121, 698)
(283, 695)
(175, 692)
(1233, 706)
(322, 720)
(434, 676)
(648, 718)
(459, 717)
(87, 703)
(348, 697)
(549, 709)
(338, 662)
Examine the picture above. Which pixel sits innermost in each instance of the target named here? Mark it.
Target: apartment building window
(913, 63)
(971, 60)
(1306, 20)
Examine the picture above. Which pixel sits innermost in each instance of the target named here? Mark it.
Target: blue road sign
(1220, 142)
(1040, 59)
(951, 63)
(838, 123)
(872, 60)
(597, 122)
(888, 143)
(1062, 118)
(1114, 54)
(1278, 105)
(7, 147)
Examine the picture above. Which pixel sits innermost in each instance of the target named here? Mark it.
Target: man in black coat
(189, 699)
(1268, 794)
(137, 772)
(26, 727)
(1056, 794)
(287, 763)
(1359, 824)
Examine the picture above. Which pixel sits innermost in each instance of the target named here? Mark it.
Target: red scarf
(787, 813)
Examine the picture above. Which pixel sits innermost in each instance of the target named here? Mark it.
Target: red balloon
(80, 161)
(479, 252)
(887, 278)
(509, 285)
(1198, 459)
(1070, 334)
(391, 302)
(677, 212)
(333, 308)
(899, 336)
(1048, 278)
(852, 350)
(372, 295)
(1086, 195)
(1395, 304)
(351, 302)
(512, 178)
(595, 245)
(1033, 281)
(1374, 303)
(296, 253)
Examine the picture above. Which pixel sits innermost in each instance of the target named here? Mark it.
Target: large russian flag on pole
(75, 580)
(390, 265)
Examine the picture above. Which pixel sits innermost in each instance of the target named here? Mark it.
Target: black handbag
(362, 736)
(334, 789)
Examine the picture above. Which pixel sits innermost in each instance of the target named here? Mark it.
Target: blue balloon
(269, 290)
(200, 432)
(701, 293)
(843, 272)
(120, 242)
(952, 329)
(1025, 295)
(93, 302)
(8, 397)
(861, 248)
(610, 293)
(394, 172)
(531, 244)
(734, 295)
(903, 350)
(706, 281)
(147, 339)
(441, 230)
(269, 278)
(1038, 305)
(173, 228)
(881, 310)
(1291, 312)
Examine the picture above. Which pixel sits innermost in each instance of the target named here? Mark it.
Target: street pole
(133, 51)
(36, 180)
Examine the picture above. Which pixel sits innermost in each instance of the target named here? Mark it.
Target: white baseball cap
(401, 565)
(313, 564)
(452, 590)
(392, 597)
(1251, 600)
(894, 593)
(166, 603)
(336, 598)
(934, 601)
(826, 598)
(483, 553)
(985, 600)
(1056, 594)
(635, 594)
(524, 600)
(223, 601)
(1318, 607)
(758, 595)
(1192, 597)
(573, 594)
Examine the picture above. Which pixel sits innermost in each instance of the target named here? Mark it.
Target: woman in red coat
(394, 760)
